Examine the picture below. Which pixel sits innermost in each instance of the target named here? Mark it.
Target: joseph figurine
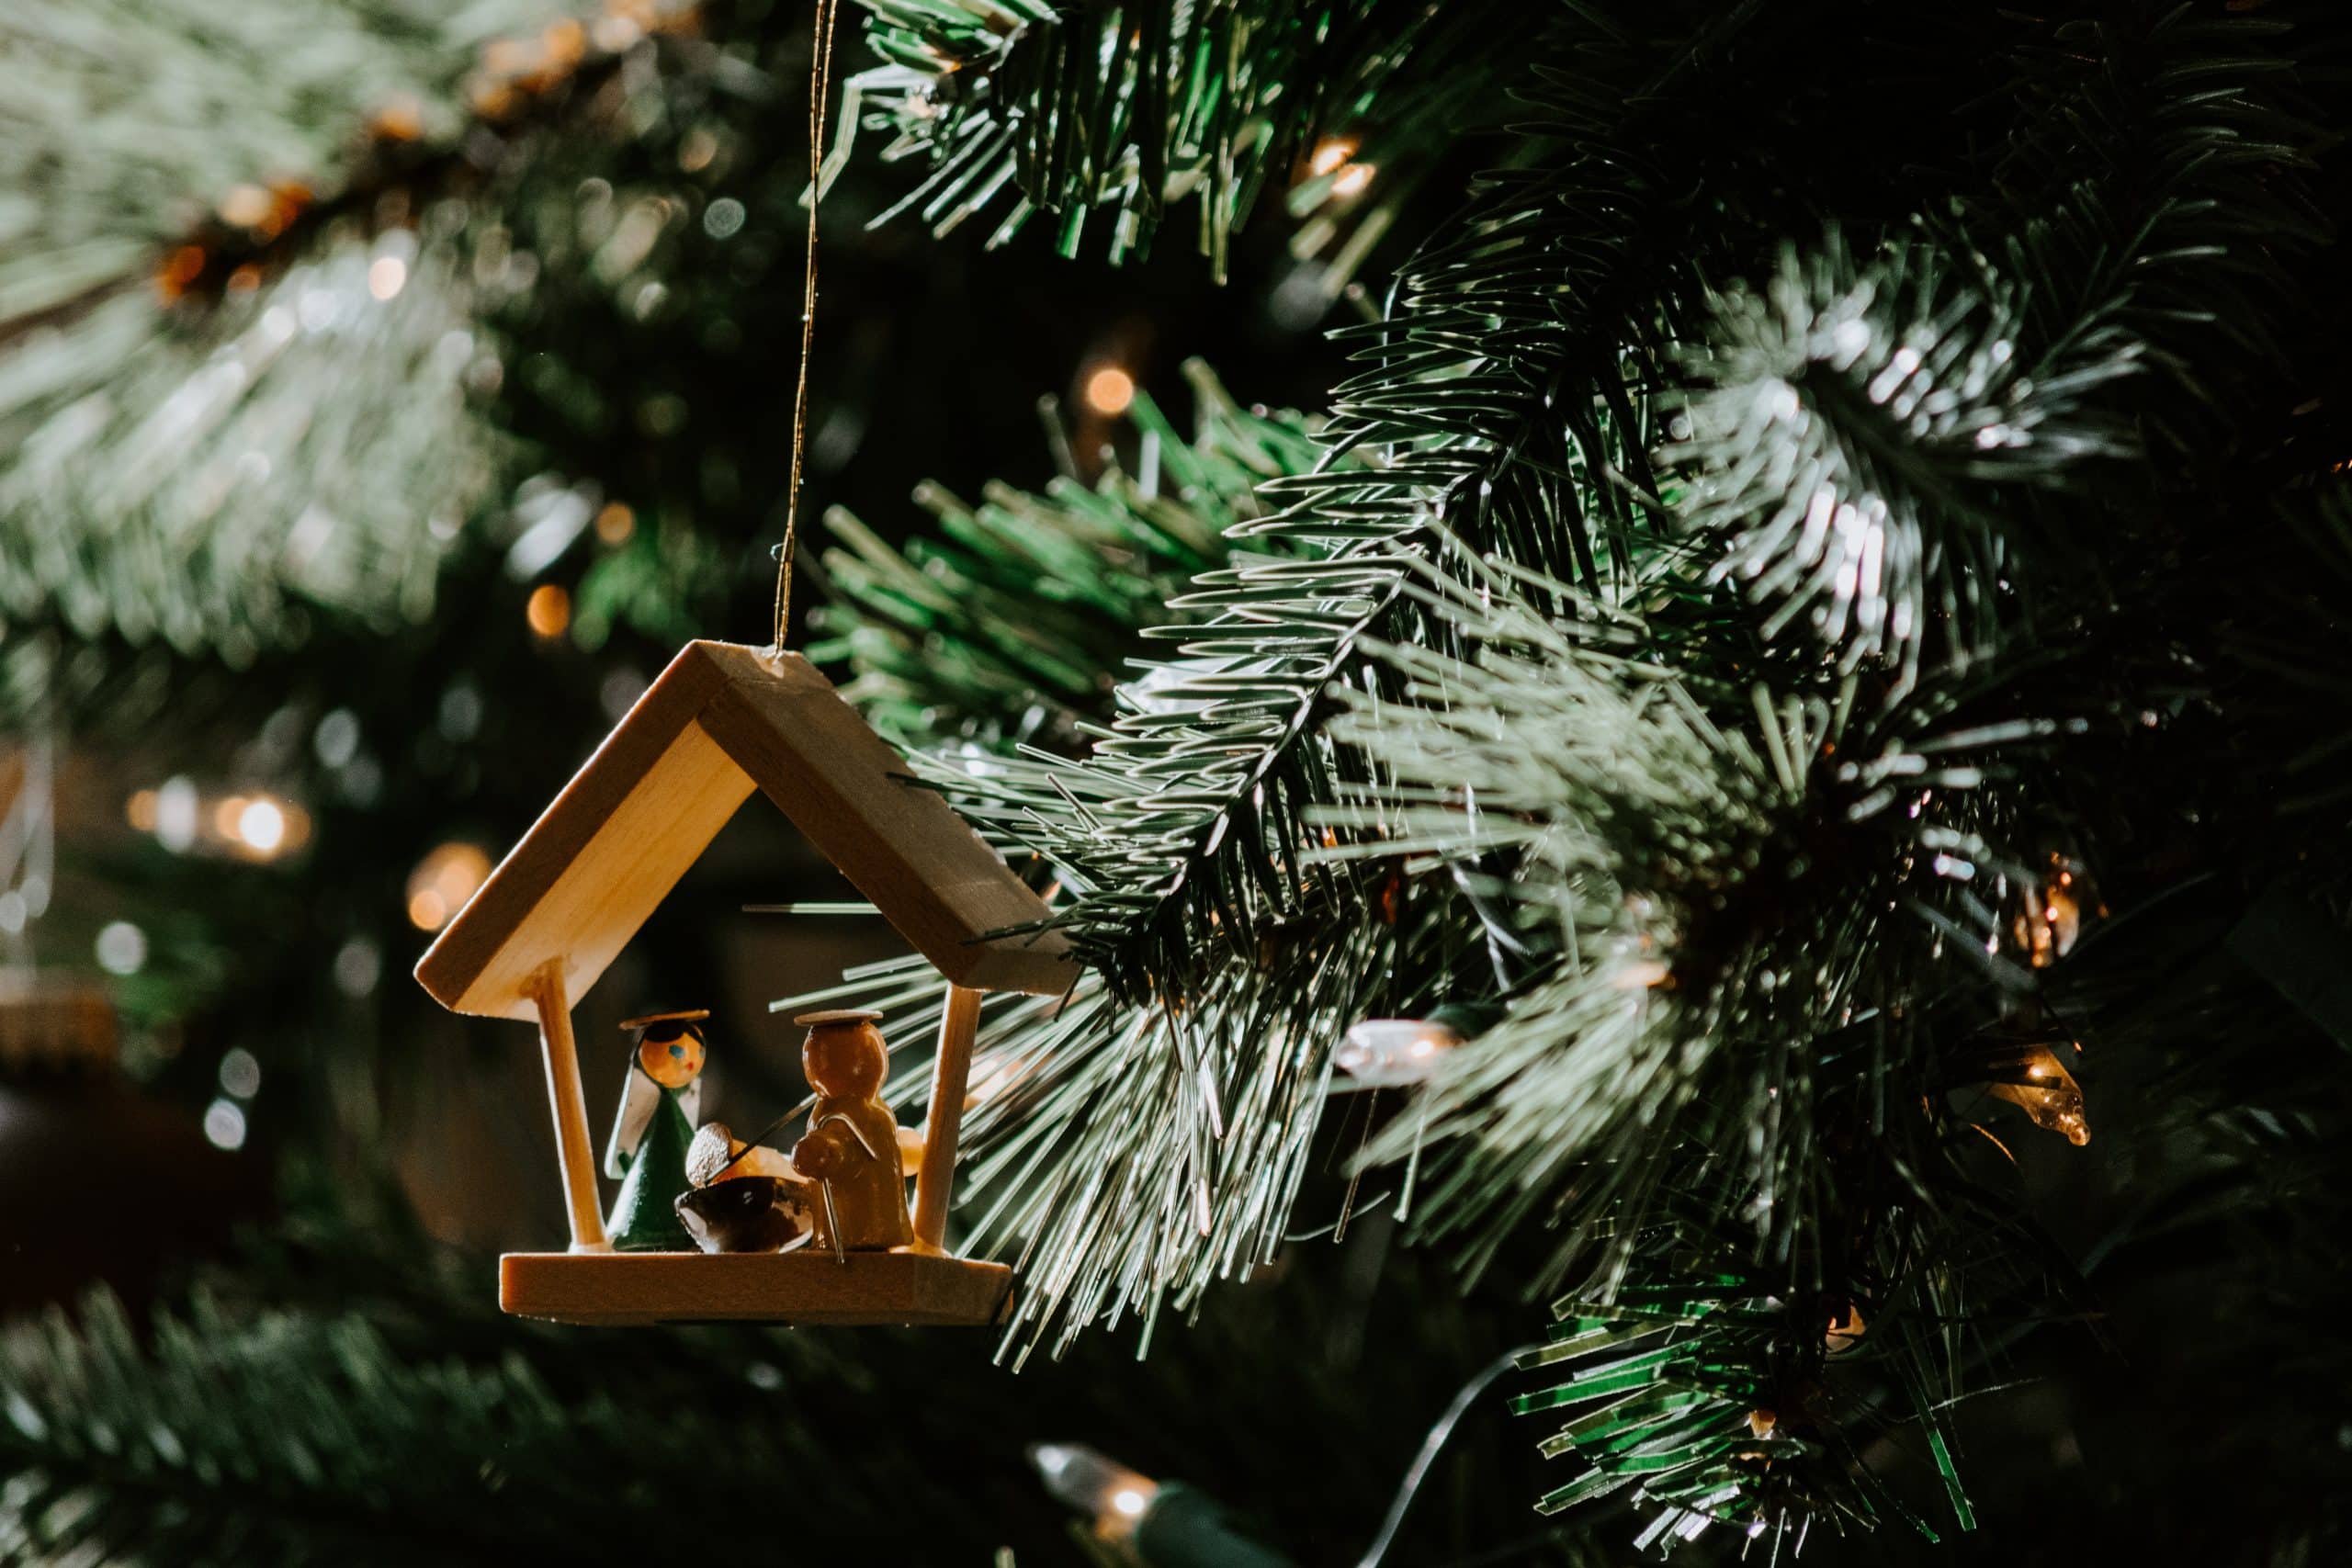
(854, 1146)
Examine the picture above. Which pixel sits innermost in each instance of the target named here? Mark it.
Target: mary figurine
(648, 1151)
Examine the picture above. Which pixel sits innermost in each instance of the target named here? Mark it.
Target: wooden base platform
(805, 1286)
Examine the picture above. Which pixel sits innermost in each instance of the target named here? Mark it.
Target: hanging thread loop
(820, 82)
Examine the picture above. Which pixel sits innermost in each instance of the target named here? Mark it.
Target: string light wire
(1432, 1445)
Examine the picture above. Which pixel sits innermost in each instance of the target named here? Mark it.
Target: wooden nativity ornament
(722, 721)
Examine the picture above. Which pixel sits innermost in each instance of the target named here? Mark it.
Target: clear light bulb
(1383, 1051)
(2049, 1097)
(1095, 1485)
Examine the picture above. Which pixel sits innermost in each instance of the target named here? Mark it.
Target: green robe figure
(648, 1151)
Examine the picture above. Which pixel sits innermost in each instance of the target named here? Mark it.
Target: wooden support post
(950, 1075)
(570, 1108)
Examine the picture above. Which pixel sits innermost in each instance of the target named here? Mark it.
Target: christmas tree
(1676, 670)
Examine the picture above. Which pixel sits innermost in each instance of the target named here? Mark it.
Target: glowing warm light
(261, 827)
(548, 610)
(400, 119)
(1329, 155)
(615, 32)
(615, 523)
(180, 270)
(1643, 974)
(256, 827)
(1097, 1487)
(1352, 180)
(509, 56)
(443, 882)
(1110, 390)
(247, 207)
(2049, 1097)
(2049, 920)
(386, 274)
(1385, 1050)
(567, 41)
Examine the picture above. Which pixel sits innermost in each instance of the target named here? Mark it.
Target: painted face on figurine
(844, 1056)
(672, 1063)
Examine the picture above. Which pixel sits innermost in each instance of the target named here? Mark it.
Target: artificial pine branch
(1073, 107)
(352, 1393)
(1870, 445)
(142, 502)
(2179, 222)
(182, 378)
(1209, 773)
(287, 1437)
(1025, 606)
(1670, 835)
(1885, 450)
(1762, 961)
(1511, 373)
(1230, 962)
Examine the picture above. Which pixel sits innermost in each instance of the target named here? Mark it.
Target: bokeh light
(122, 948)
(548, 611)
(442, 881)
(1110, 390)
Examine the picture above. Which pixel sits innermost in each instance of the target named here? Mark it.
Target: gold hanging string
(820, 84)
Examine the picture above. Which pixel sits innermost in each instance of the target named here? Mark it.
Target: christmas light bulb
(2049, 918)
(1383, 1051)
(2049, 1096)
(1096, 1485)
(1844, 1329)
(1330, 156)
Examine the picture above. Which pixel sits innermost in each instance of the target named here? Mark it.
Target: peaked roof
(721, 721)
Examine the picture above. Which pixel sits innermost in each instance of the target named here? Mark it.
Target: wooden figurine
(852, 1148)
(722, 722)
(647, 1152)
(744, 1198)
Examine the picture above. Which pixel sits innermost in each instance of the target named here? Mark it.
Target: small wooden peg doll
(855, 1147)
(648, 1151)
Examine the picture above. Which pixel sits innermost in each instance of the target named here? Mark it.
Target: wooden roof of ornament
(722, 721)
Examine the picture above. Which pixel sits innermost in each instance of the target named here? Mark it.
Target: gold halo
(692, 1015)
(838, 1015)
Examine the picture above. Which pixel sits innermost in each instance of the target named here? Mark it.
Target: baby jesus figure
(742, 1198)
